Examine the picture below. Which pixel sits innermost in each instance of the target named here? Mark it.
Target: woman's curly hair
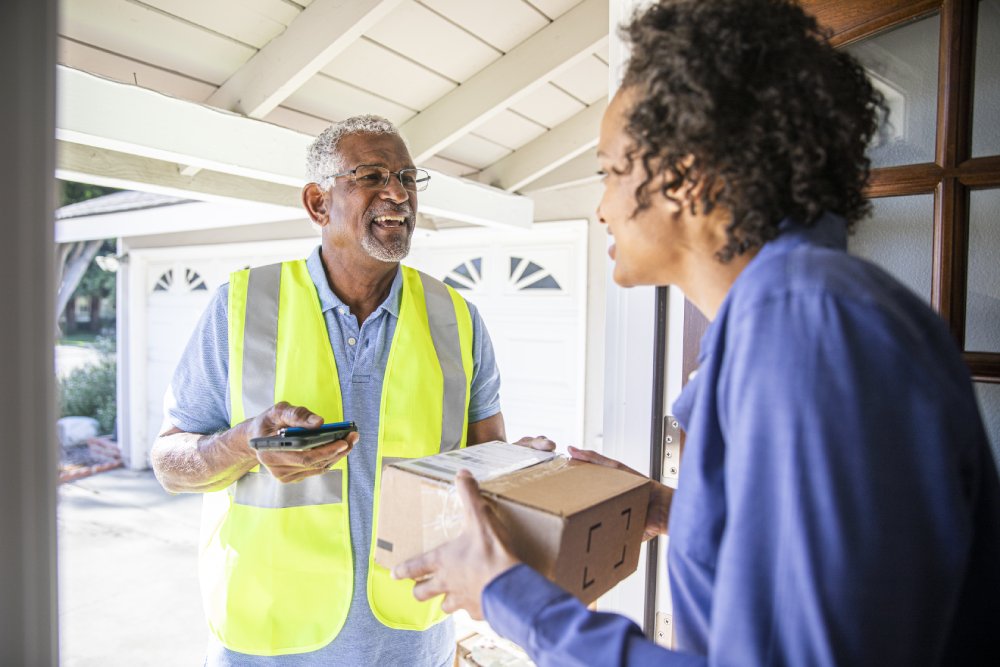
(776, 120)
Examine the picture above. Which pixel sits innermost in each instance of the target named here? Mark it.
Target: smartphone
(298, 439)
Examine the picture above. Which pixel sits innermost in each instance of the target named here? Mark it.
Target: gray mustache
(407, 211)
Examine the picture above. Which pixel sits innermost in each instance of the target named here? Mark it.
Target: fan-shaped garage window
(193, 282)
(165, 281)
(467, 275)
(525, 275)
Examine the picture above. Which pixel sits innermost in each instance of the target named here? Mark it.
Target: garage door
(530, 287)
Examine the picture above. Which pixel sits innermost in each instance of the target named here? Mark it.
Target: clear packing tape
(441, 506)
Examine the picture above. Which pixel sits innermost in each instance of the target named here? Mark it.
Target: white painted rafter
(531, 64)
(239, 155)
(580, 170)
(99, 112)
(549, 151)
(126, 171)
(318, 35)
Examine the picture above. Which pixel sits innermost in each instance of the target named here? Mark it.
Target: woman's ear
(314, 201)
(696, 187)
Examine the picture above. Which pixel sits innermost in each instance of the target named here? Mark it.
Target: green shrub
(89, 391)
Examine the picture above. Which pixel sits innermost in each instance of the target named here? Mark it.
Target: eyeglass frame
(388, 175)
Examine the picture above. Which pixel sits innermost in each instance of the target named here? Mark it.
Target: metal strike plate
(671, 450)
(664, 629)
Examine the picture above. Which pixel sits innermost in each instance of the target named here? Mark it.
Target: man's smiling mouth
(390, 221)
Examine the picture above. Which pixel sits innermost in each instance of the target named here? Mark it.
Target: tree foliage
(96, 282)
(71, 192)
(89, 391)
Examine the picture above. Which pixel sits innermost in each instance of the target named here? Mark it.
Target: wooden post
(28, 634)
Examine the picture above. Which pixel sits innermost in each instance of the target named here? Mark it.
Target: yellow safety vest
(276, 561)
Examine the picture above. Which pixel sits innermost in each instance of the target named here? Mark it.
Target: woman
(837, 501)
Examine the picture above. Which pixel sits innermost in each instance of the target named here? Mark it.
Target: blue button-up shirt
(838, 503)
(198, 402)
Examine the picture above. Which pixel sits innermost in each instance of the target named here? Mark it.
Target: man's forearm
(195, 463)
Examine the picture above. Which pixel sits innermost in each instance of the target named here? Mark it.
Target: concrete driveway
(128, 583)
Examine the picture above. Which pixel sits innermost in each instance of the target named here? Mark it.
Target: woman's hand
(658, 513)
(462, 568)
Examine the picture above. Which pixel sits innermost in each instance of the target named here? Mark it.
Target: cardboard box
(479, 650)
(578, 524)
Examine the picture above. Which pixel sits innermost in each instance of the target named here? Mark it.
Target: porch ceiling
(504, 92)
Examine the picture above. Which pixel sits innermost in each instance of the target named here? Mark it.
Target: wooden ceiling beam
(318, 35)
(532, 63)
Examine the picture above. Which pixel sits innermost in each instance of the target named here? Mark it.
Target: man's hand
(537, 442)
(462, 568)
(295, 466)
(658, 513)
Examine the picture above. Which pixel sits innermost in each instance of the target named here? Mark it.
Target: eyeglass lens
(378, 177)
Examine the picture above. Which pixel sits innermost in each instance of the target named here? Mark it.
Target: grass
(80, 339)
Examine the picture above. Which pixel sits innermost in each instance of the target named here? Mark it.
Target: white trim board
(169, 218)
(105, 114)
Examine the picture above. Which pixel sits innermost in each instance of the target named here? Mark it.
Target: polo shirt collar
(328, 300)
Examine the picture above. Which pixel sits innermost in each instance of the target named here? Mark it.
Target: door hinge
(664, 629)
(671, 449)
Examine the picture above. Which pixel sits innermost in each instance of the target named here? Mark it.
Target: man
(837, 503)
(347, 334)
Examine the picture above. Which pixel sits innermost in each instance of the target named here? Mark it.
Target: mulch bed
(95, 456)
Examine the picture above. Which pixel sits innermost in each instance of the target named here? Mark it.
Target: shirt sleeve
(842, 504)
(556, 629)
(485, 399)
(197, 400)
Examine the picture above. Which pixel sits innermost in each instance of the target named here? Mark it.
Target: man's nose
(394, 190)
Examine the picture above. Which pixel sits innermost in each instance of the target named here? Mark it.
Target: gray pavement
(128, 581)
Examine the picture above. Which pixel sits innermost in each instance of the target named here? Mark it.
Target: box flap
(486, 461)
(563, 486)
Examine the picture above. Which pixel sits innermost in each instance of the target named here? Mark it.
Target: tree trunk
(95, 314)
(73, 265)
(70, 311)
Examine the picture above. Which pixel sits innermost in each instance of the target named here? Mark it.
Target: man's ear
(314, 201)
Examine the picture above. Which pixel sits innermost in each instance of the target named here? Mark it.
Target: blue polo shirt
(837, 504)
(198, 402)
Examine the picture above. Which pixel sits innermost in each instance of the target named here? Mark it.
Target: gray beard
(393, 252)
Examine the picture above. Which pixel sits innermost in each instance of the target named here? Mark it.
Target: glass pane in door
(903, 65)
(982, 306)
(899, 237)
(986, 100)
(989, 408)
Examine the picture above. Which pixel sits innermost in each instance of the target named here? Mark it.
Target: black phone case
(298, 443)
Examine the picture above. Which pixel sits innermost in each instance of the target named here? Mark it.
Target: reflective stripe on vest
(444, 334)
(280, 350)
(260, 338)
(260, 489)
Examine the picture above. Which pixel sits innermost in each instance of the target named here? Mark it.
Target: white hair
(323, 157)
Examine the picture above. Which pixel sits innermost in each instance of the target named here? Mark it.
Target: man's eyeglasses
(374, 177)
